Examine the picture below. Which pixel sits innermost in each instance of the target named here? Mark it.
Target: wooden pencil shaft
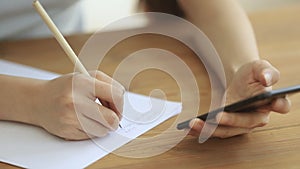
(59, 37)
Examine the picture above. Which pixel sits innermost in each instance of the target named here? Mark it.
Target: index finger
(105, 78)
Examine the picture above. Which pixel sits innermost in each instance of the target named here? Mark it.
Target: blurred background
(97, 13)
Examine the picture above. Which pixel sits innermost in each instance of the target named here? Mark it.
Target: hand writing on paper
(251, 79)
(71, 112)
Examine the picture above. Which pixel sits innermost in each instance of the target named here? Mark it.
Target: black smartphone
(246, 105)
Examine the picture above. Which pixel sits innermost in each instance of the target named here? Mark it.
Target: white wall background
(99, 13)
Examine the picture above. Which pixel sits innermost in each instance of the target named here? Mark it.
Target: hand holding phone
(246, 105)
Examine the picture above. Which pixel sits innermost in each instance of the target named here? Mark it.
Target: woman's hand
(251, 79)
(66, 106)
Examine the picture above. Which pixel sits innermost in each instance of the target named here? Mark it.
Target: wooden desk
(273, 146)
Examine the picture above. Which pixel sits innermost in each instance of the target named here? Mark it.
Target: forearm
(18, 98)
(229, 29)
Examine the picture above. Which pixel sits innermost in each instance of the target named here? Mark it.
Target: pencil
(60, 38)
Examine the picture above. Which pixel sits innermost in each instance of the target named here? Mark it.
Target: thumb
(265, 73)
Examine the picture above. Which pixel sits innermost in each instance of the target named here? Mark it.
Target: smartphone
(246, 105)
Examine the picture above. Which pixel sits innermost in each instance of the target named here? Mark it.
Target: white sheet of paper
(32, 147)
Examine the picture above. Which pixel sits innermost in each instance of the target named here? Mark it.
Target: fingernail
(120, 93)
(196, 124)
(268, 78)
(192, 122)
(123, 90)
(280, 102)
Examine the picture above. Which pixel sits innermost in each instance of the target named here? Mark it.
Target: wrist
(36, 103)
